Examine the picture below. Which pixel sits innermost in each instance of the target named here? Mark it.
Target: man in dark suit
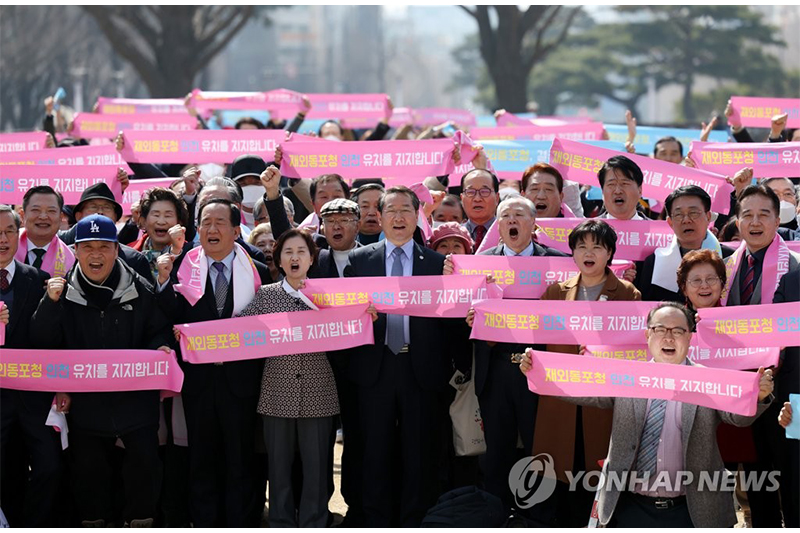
(688, 211)
(219, 399)
(23, 413)
(99, 200)
(508, 408)
(400, 376)
(621, 182)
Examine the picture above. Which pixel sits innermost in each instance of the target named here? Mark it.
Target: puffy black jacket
(132, 321)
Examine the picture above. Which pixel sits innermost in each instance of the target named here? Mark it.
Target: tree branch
(540, 52)
(212, 50)
(472, 14)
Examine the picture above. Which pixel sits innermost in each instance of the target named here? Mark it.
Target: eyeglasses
(484, 192)
(699, 282)
(9, 233)
(675, 333)
(338, 221)
(691, 215)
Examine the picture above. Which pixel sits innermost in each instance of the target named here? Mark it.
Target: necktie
(749, 283)
(480, 233)
(394, 323)
(4, 284)
(39, 253)
(220, 287)
(648, 446)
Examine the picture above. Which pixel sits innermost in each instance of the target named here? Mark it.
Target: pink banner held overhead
(91, 125)
(23, 142)
(757, 112)
(558, 374)
(730, 358)
(751, 325)
(368, 159)
(279, 99)
(588, 131)
(580, 162)
(89, 370)
(92, 156)
(140, 106)
(401, 116)
(768, 160)
(560, 322)
(70, 181)
(200, 146)
(636, 239)
(352, 110)
(510, 120)
(257, 337)
(432, 116)
(524, 277)
(424, 296)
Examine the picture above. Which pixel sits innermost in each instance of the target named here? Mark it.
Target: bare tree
(519, 41)
(170, 45)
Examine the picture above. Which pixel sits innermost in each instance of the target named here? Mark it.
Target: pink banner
(200, 146)
(556, 374)
(587, 131)
(525, 277)
(136, 189)
(70, 181)
(730, 358)
(68, 156)
(368, 159)
(506, 120)
(793, 246)
(636, 239)
(256, 337)
(89, 370)
(561, 322)
(140, 106)
(768, 160)
(401, 116)
(580, 162)
(750, 325)
(424, 296)
(352, 110)
(90, 125)
(23, 142)
(757, 112)
(433, 116)
(279, 99)
(2, 328)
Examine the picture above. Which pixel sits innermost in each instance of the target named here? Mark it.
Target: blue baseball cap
(95, 228)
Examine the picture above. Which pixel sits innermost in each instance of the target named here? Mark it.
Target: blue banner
(646, 136)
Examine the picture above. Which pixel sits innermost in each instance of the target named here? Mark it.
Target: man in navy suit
(23, 413)
(400, 376)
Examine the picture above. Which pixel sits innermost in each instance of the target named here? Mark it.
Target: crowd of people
(87, 277)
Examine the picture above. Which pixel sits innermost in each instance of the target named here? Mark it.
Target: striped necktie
(749, 283)
(651, 437)
(220, 286)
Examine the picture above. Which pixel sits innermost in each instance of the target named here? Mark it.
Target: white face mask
(251, 195)
(332, 138)
(437, 223)
(249, 220)
(211, 170)
(788, 212)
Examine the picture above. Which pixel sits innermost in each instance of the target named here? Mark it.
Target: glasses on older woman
(699, 282)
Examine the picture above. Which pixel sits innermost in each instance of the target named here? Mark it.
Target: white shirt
(340, 258)
(636, 216)
(408, 267)
(227, 261)
(10, 268)
(297, 294)
(528, 251)
(31, 247)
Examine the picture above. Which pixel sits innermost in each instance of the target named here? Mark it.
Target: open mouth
(704, 294)
(213, 240)
(619, 201)
(756, 233)
(160, 233)
(337, 237)
(95, 268)
(589, 264)
(4, 249)
(43, 225)
(541, 206)
(513, 233)
(688, 231)
(294, 267)
(668, 351)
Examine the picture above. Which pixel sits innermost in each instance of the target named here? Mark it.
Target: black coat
(656, 293)
(428, 336)
(483, 351)
(132, 321)
(28, 288)
(244, 377)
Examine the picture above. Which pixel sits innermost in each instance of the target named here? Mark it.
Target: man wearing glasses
(479, 197)
(655, 439)
(688, 211)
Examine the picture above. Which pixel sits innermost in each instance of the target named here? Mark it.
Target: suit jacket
(656, 293)
(555, 419)
(707, 508)
(734, 298)
(28, 286)
(244, 377)
(787, 378)
(427, 338)
(482, 349)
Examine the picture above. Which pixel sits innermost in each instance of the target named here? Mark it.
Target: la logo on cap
(93, 228)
